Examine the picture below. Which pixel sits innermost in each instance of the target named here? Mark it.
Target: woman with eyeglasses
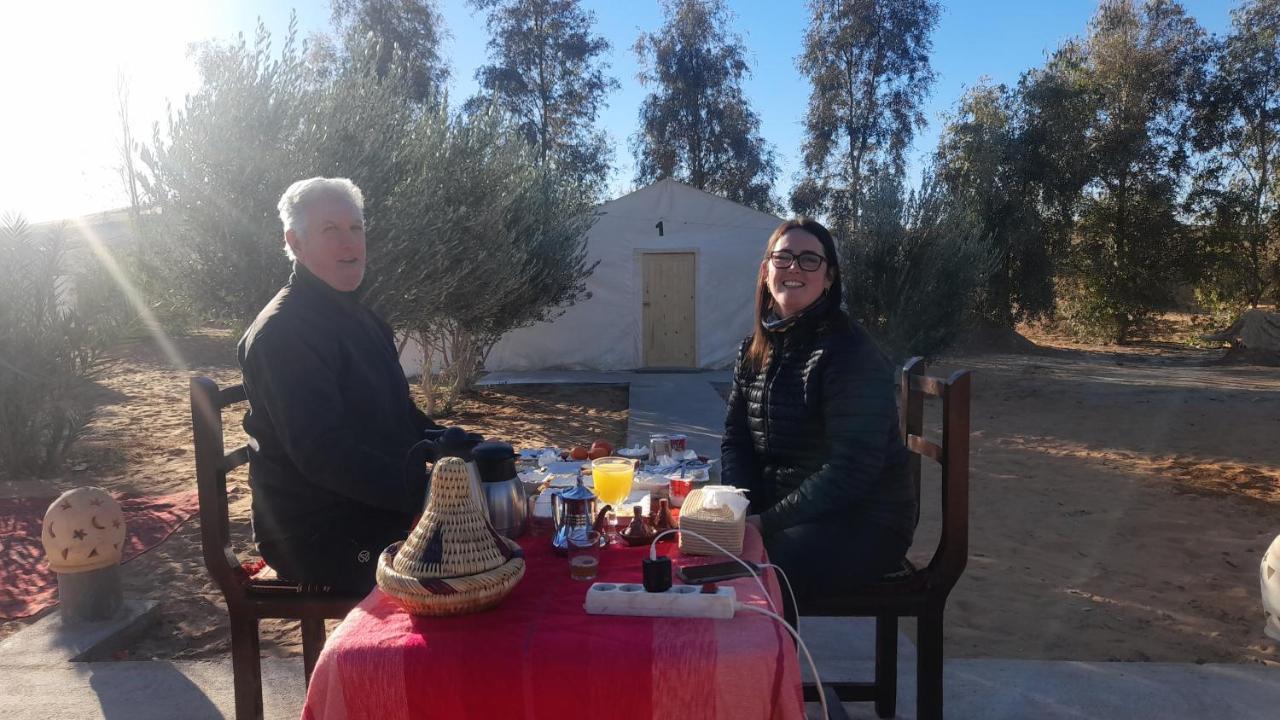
(812, 426)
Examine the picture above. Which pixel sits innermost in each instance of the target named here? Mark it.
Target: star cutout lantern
(83, 530)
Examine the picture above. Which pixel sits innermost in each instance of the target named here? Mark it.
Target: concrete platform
(678, 403)
(146, 690)
(1057, 690)
(556, 377)
(591, 377)
(1046, 689)
(53, 640)
(660, 402)
(844, 648)
(976, 690)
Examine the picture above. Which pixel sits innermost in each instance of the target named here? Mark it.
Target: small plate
(570, 467)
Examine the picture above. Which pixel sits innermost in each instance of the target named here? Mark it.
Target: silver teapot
(574, 514)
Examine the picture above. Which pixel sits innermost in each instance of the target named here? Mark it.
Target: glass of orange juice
(612, 478)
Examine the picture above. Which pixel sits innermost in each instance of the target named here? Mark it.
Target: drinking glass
(584, 555)
(612, 478)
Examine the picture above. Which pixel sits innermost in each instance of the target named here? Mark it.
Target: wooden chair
(919, 593)
(249, 597)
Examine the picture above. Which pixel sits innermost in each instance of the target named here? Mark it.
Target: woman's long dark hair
(758, 350)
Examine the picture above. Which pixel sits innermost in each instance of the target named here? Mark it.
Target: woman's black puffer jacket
(814, 435)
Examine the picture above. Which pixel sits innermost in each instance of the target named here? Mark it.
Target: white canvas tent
(673, 288)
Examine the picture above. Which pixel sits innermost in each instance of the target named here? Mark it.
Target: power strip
(676, 601)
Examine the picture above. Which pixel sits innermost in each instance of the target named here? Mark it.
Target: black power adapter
(657, 574)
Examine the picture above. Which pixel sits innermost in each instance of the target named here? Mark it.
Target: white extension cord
(813, 667)
(653, 555)
(817, 681)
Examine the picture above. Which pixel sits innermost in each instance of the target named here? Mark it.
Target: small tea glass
(584, 555)
(538, 514)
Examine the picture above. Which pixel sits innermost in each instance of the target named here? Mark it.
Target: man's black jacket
(814, 435)
(330, 414)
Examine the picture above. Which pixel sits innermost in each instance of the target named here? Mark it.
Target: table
(540, 655)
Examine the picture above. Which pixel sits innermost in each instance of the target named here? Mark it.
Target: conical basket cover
(454, 561)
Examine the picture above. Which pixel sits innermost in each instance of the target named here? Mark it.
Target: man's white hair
(293, 203)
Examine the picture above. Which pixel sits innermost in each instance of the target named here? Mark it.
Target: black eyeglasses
(809, 261)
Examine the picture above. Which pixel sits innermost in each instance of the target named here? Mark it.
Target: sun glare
(62, 61)
(131, 293)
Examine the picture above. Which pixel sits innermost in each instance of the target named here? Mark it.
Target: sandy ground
(1121, 497)
(1121, 500)
(1119, 510)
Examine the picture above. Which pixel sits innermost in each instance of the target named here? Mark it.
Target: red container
(680, 489)
(678, 445)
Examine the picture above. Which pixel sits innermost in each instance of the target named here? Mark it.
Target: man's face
(332, 243)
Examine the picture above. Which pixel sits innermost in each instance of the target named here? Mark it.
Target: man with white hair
(330, 413)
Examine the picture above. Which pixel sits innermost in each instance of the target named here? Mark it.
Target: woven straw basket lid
(454, 562)
(718, 524)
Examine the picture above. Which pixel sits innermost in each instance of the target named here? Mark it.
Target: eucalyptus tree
(1144, 65)
(547, 70)
(868, 64)
(1238, 130)
(696, 124)
(405, 35)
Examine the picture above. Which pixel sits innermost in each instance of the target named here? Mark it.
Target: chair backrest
(212, 465)
(952, 454)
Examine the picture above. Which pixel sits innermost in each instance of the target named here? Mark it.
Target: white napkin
(716, 496)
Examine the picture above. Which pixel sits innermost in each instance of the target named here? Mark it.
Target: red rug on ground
(28, 586)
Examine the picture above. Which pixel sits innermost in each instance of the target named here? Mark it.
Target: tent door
(668, 314)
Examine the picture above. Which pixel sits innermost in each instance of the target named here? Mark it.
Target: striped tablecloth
(540, 655)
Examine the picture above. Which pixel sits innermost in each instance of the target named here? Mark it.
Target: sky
(61, 63)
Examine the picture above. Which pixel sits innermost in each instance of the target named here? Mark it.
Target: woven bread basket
(453, 562)
(717, 523)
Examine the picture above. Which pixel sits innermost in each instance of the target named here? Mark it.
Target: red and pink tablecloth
(540, 655)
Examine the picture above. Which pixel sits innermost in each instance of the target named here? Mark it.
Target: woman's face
(794, 288)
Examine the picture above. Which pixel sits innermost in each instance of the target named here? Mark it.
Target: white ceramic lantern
(1269, 576)
(83, 530)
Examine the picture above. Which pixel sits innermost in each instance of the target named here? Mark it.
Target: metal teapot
(574, 514)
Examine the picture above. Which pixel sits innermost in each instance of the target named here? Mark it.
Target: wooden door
(668, 322)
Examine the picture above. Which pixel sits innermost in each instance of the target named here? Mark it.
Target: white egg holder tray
(676, 601)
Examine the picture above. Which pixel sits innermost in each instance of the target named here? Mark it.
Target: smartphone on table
(716, 572)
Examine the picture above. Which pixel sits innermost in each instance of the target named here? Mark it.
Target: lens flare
(131, 293)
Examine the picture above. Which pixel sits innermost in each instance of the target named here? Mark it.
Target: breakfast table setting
(573, 594)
